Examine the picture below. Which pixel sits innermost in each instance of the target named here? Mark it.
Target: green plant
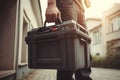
(110, 61)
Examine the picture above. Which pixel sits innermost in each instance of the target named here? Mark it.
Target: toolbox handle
(58, 21)
(48, 29)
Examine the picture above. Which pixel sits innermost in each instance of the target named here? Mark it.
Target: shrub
(110, 61)
(98, 61)
(113, 61)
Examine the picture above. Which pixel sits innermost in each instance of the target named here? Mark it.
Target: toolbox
(61, 46)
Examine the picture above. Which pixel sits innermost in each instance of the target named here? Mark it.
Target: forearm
(52, 12)
(51, 2)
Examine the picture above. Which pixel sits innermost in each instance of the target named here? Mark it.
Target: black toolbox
(63, 46)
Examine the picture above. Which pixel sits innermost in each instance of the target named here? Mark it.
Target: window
(96, 37)
(24, 46)
(23, 56)
(97, 54)
(118, 21)
(114, 24)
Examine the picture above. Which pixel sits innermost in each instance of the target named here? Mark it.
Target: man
(68, 10)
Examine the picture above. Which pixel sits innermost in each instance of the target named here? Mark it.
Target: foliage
(97, 61)
(110, 61)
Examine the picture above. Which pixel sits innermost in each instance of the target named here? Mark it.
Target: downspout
(40, 11)
(17, 37)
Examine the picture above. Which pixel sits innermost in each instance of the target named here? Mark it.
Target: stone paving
(97, 74)
(105, 74)
(41, 74)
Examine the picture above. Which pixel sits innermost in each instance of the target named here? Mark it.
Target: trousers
(70, 11)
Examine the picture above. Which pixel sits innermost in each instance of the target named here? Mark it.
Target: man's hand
(52, 13)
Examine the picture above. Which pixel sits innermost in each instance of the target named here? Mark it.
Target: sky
(96, 9)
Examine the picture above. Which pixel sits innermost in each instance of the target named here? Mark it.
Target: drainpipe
(17, 37)
(40, 11)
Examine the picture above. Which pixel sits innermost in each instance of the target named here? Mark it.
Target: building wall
(7, 39)
(107, 36)
(30, 17)
(97, 46)
(92, 22)
(7, 34)
(111, 13)
(107, 16)
(16, 19)
(94, 25)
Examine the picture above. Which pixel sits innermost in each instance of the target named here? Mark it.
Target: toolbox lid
(69, 33)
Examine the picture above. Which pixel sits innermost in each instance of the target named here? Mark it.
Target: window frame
(97, 38)
(114, 23)
(29, 27)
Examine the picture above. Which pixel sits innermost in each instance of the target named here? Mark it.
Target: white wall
(27, 11)
(115, 10)
(92, 24)
(97, 49)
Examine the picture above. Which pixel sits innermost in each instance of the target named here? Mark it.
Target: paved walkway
(41, 74)
(105, 74)
(97, 74)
